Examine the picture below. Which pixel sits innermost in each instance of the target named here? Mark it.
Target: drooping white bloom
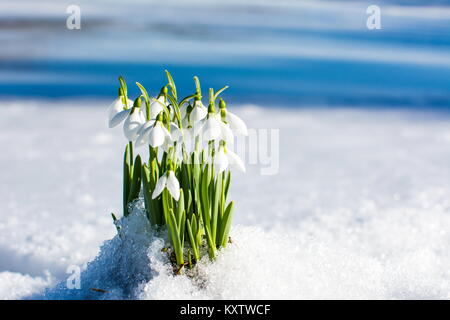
(176, 132)
(153, 133)
(133, 123)
(156, 107)
(236, 123)
(212, 128)
(235, 161)
(225, 158)
(117, 111)
(183, 111)
(199, 112)
(221, 161)
(184, 137)
(227, 134)
(169, 181)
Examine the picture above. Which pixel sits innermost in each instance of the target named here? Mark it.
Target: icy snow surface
(360, 208)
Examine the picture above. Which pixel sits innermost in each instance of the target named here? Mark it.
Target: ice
(359, 209)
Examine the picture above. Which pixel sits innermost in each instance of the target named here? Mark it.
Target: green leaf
(192, 240)
(205, 196)
(226, 224)
(136, 180)
(126, 180)
(175, 235)
(145, 177)
(194, 225)
(215, 208)
(180, 207)
(182, 226)
(227, 183)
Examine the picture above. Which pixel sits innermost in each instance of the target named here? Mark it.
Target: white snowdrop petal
(197, 127)
(160, 185)
(235, 161)
(211, 129)
(156, 106)
(143, 112)
(198, 113)
(173, 186)
(116, 107)
(189, 140)
(183, 111)
(221, 161)
(175, 132)
(145, 127)
(237, 124)
(132, 125)
(167, 141)
(142, 139)
(157, 135)
(118, 118)
(167, 135)
(227, 134)
(179, 152)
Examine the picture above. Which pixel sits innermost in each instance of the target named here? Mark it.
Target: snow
(360, 208)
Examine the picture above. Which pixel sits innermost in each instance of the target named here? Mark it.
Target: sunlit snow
(360, 208)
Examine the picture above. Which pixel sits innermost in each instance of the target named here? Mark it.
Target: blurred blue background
(283, 53)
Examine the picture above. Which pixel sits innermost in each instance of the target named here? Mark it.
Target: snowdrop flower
(175, 136)
(117, 111)
(157, 106)
(133, 123)
(215, 129)
(212, 129)
(153, 133)
(169, 181)
(236, 123)
(225, 158)
(183, 137)
(199, 112)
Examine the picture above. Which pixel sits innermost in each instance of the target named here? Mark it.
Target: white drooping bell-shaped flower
(221, 160)
(227, 133)
(117, 111)
(169, 181)
(133, 123)
(236, 124)
(157, 106)
(153, 133)
(225, 158)
(212, 128)
(173, 137)
(215, 129)
(198, 113)
(184, 137)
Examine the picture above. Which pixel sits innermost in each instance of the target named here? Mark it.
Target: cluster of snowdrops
(186, 178)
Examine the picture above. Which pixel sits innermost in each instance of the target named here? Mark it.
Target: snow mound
(16, 285)
(262, 264)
